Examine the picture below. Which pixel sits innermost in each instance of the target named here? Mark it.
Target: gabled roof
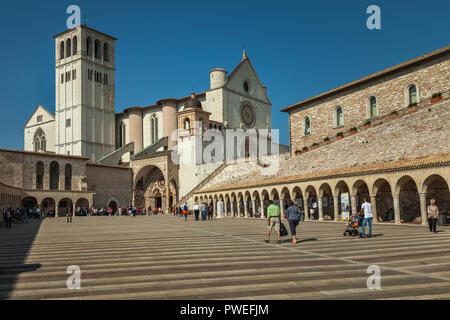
(389, 71)
(34, 112)
(246, 59)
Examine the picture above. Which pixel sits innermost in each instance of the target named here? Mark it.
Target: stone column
(320, 204)
(396, 208)
(353, 204)
(336, 208)
(282, 213)
(262, 209)
(423, 208)
(246, 208)
(373, 202)
(305, 206)
(254, 207)
(56, 210)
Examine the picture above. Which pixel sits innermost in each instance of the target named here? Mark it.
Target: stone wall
(391, 92)
(414, 135)
(110, 183)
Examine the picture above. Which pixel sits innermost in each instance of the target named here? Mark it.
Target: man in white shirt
(366, 207)
(196, 211)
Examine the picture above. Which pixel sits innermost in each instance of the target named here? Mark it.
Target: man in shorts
(273, 220)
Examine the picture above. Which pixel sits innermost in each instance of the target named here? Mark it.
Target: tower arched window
(68, 48)
(122, 135)
(68, 177)
(156, 129)
(89, 47)
(61, 50)
(307, 126)
(105, 52)
(412, 94)
(54, 175)
(373, 107)
(75, 45)
(339, 117)
(39, 175)
(97, 51)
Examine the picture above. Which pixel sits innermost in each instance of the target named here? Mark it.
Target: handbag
(283, 230)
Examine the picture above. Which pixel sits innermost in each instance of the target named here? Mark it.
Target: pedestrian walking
(185, 211)
(293, 217)
(273, 221)
(433, 215)
(204, 211)
(69, 215)
(196, 211)
(366, 208)
(210, 211)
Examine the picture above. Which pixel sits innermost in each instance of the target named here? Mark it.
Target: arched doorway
(113, 206)
(437, 188)
(326, 201)
(311, 200)
(82, 207)
(409, 201)
(48, 204)
(383, 200)
(64, 206)
(151, 190)
(343, 200)
(29, 203)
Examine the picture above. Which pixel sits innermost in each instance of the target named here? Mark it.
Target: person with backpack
(273, 221)
(293, 216)
(185, 209)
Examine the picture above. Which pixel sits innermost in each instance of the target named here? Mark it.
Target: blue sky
(166, 48)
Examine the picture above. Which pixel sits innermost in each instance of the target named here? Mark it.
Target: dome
(192, 103)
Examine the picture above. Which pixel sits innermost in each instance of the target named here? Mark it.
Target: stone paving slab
(164, 257)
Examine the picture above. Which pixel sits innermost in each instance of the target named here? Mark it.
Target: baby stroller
(352, 225)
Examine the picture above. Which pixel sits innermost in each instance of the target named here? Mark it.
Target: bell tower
(84, 93)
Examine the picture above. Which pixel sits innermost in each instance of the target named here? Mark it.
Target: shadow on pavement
(15, 244)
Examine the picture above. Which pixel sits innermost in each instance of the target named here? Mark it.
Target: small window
(39, 118)
(62, 78)
(68, 123)
(61, 50)
(75, 45)
(74, 74)
(105, 79)
(373, 107)
(339, 117)
(412, 91)
(89, 74)
(307, 126)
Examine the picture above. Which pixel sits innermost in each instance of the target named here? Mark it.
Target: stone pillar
(305, 206)
(170, 118)
(423, 208)
(232, 208)
(253, 207)
(373, 202)
(353, 204)
(262, 209)
(135, 128)
(282, 213)
(396, 208)
(56, 210)
(246, 208)
(320, 204)
(336, 208)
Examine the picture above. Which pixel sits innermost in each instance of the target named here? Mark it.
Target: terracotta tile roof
(395, 165)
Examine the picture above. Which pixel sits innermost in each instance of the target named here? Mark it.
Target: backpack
(283, 230)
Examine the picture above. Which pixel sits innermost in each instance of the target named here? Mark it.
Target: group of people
(21, 215)
(293, 216)
(206, 211)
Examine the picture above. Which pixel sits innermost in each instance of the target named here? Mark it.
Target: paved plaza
(164, 257)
